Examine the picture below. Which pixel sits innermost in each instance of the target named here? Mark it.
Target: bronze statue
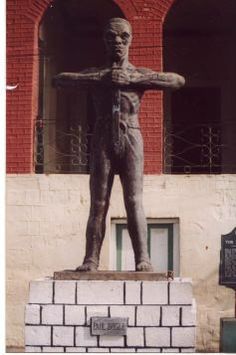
(117, 147)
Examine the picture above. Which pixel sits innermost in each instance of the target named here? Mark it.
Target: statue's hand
(117, 77)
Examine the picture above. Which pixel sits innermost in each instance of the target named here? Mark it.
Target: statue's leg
(101, 180)
(131, 176)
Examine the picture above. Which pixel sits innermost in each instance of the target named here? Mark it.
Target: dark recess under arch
(200, 120)
(70, 39)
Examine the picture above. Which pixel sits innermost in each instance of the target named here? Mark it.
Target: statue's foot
(144, 266)
(87, 266)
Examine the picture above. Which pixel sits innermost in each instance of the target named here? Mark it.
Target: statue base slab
(109, 275)
(161, 315)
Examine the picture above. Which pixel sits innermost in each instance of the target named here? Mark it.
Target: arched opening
(70, 40)
(200, 119)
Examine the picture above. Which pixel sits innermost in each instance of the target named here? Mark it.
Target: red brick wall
(23, 17)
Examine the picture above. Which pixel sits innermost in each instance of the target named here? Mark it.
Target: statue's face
(117, 39)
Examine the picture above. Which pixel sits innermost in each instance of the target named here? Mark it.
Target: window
(163, 246)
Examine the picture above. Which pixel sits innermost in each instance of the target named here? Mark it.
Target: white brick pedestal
(162, 316)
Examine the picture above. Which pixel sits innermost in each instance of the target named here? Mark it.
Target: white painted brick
(40, 291)
(43, 182)
(32, 314)
(63, 336)
(32, 197)
(45, 197)
(108, 340)
(155, 292)
(124, 311)
(52, 314)
(188, 350)
(170, 350)
(56, 184)
(23, 181)
(122, 350)
(22, 254)
(33, 228)
(74, 315)
(148, 315)
(65, 292)
(183, 337)
(181, 292)
(188, 315)
(75, 349)
(53, 349)
(98, 350)
(159, 337)
(47, 228)
(135, 336)
(33, 349)
(74, 196)
(15, 197)
(44, 213)
(18, 228)
(84, 338)
(100, 292)
(132, 294)
(170, 315)
(23, 213)
(59, 197)
(149, 350)
(96, 311)
(37, 335)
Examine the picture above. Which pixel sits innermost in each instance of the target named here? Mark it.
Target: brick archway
(146, 18)
(38, 7)
(151, 8)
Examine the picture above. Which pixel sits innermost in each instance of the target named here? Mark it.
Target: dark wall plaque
(108, 325)
(227, 335)
(228, 260)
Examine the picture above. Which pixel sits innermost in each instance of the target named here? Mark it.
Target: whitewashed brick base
(162, 316)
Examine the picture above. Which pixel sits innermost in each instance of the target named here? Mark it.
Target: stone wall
(46, 221)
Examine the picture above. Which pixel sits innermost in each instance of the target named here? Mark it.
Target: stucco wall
(46, 221)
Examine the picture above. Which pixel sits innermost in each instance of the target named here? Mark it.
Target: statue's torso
(130, 100)
(129, 106)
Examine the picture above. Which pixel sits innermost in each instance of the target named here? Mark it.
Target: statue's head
(117, 38)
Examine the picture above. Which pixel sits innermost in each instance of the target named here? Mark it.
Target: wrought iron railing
(200, 148)
(61, 149)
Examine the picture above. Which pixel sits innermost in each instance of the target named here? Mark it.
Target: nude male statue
(117, 147)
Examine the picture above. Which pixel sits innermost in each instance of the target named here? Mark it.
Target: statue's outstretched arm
(83, 79)
(150, 80)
